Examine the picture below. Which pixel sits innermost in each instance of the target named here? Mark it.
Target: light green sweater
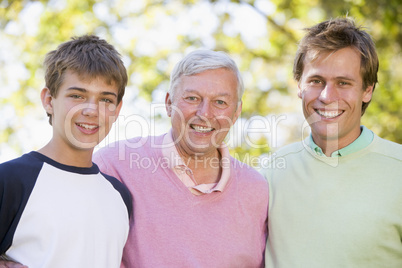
(336, 211)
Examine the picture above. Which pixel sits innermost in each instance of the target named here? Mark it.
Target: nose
(329, 94)
(90, 109)
(204, 109)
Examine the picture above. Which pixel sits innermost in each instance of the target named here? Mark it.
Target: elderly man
(338, 203)
(194, 205)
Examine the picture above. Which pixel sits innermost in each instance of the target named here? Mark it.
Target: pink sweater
(171, 227)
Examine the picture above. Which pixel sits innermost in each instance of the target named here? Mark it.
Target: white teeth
(201, 129)
(329, 114)
(88, 126)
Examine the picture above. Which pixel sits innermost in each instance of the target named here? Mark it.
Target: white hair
(202, 60)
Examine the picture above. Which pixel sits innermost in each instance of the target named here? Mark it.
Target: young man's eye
(107, 100)
(315, 83)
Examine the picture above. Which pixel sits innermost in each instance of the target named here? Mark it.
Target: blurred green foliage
(265, 60)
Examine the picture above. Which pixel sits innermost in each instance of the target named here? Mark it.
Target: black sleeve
(17, 179)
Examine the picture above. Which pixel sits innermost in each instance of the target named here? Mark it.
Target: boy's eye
(75, 96)
(316, 81)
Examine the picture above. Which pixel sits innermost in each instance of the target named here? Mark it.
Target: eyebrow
(83, 90)
(337, 77)
(345, 78)
(197, 92)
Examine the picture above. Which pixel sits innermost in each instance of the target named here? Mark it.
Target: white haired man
(193, 204)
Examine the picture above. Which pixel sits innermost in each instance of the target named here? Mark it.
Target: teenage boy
(56, 208)
(339, 201)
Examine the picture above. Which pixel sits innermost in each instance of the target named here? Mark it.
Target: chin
(85, 145)
(203, 150)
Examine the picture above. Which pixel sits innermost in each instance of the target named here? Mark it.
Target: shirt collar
(171, 155)
(365, 138)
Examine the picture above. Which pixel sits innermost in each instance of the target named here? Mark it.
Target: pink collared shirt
(185, 174)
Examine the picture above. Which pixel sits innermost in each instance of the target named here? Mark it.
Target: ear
(118, 108)
(168, 104)
(299, 91)
(368, 93)
(47, 100)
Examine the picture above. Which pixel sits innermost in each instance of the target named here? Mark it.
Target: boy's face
(82, 112)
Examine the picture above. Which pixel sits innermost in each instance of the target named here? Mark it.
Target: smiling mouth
(88, 127)
(329, 114)
(201, 129)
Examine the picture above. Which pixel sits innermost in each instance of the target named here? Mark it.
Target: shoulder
(15, 163)
(387, 148)
(291, 155)
(121, 150)
(119, 186)
(126, 147)
(250, 183)
(115, 147)
(243, 170)
(20, 168)
(120, 158)
(291, 149)
(17, 180)
(123, 190)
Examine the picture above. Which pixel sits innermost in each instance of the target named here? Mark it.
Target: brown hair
(89, 57)
(332, 35)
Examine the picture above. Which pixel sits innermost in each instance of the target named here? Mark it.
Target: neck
(330, 145)
(67, 156)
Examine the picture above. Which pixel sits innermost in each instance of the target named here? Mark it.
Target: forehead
(85, 78)
(89, 83)
(211, 82)
(343, 62)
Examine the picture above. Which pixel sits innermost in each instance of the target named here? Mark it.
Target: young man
(338, 203)
(194, 204)
(56, 208)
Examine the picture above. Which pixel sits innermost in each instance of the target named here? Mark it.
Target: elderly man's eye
(192, 98)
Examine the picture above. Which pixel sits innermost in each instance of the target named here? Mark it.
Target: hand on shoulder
(11, 264)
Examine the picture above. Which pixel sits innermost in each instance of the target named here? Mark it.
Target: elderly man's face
(202, 110)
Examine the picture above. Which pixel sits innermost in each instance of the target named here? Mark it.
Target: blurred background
(261, 36)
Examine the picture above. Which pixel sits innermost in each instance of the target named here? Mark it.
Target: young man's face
(83, 111)
(202, 110)
(331, 89)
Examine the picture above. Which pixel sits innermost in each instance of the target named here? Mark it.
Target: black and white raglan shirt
(58, 216)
